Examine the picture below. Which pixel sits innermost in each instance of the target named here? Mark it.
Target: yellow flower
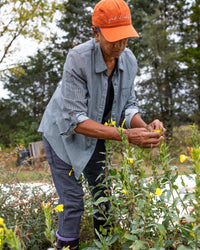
(112, 123)
(183, 158)
(124, 191)
(123, 123)
(70, 173)
(106, 124)
(1, 221)
(158, 131)
(43, 205)
(59, 208)
(46, 205)
(192, 224)
(158, 191)
(192, 234)
(66, 248)
(131, 160)
(1, 231)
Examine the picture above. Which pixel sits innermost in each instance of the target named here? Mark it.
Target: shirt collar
(100, 65)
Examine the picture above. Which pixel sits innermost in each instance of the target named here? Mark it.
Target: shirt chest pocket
(125, 92)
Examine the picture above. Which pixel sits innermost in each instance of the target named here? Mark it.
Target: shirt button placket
(114, 102)
(103, 101)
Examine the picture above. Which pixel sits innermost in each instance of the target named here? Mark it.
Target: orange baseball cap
(113, 17)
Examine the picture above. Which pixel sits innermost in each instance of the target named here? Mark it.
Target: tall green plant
(152, 212)
(8, 236)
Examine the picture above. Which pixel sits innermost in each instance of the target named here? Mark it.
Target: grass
(40, 171)
(37, 172)
(34, 176)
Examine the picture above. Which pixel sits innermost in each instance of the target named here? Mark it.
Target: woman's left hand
(156, 126)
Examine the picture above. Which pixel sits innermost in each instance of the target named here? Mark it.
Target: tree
(76, 21)
(160, 92)
(139, 10)
(23, 18)
(190, 57)
(30, 92)
(32, 85)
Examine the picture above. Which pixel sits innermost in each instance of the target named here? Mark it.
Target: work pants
(70, 191)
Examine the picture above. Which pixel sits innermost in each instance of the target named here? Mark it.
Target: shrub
(151, 212)
(20, 206)
(147, 211)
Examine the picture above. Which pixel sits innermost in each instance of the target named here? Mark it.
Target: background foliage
(168, 88)
(168, 54)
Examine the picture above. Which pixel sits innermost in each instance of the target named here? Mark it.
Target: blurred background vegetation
(167, 88)
(168, 54)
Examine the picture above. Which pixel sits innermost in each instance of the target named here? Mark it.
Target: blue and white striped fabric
(82, 96)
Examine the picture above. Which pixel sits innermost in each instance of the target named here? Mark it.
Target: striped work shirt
(81, 96)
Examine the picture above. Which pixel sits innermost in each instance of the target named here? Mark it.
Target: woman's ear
(96, 33)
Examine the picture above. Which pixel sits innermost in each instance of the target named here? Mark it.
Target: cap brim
(118, 33)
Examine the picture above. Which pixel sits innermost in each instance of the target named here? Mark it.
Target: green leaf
(90, 248)
(182, 248)
(139, 244)
(114, 238)
(169, 193)
(190, 218)
(131, 237)
(164, 180)
(141, 204)
(175, 187)
(166, 223)
(174, 177)
(196, 227)
(113, 172)
(175, 202)
(101, 200)
(161, 228)
(98, 243)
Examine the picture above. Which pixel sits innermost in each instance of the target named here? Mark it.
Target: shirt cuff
(68, 128)
(129, 113)
(81, 118)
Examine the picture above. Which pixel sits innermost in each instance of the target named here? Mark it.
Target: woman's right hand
(143, 138)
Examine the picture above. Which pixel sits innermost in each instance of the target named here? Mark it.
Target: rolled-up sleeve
(131, 107)
(73, 94)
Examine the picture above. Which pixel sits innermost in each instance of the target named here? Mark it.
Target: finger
(150, 129)
(159, 125)
(154, 142)
(154, 135)
(152, 145)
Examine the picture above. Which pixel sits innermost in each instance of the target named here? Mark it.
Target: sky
(3, 92)
(25, 47)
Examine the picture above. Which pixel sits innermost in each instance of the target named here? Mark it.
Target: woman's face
(110, 50)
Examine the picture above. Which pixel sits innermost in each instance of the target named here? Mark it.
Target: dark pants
(70, 190)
